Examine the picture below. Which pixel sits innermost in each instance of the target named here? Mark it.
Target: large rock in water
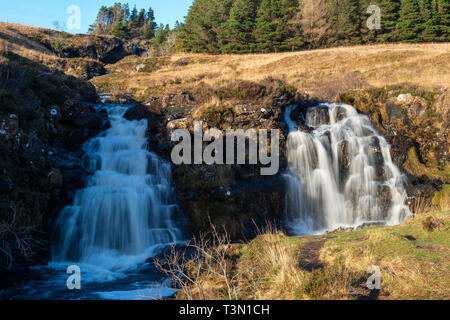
(376, 158)
(140, 112)
(344, 162)
(318, 116)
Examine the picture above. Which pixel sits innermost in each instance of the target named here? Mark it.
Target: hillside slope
(323, 73)
(79, 55)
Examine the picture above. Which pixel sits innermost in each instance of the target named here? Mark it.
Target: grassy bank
(414, 260)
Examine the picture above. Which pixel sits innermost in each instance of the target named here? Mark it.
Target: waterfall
(340, 172)
(127, 209)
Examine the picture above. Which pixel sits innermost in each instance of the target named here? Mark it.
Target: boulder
(318, 116)
(138, 112)
(344, 162)
(384, 198)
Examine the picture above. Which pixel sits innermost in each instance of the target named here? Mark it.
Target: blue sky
(43, 13)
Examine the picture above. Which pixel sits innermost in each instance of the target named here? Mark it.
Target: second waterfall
(340, 172)
(127, 210)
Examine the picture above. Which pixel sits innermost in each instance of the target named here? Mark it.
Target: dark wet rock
(309, 103)
(9, 126)
(138, 112)
(81, 115)
(394, 111)
(77, 137)
(232, 197)
(376, 158)
(104, 120)
(89, 120)
(400, 145)
(318, 116)
(105, 49)
(344, 162)
(84, 69)
(298, 115)
(340, 113)
(384, 198)
(55, 178)
(34, 150)
(326, 137)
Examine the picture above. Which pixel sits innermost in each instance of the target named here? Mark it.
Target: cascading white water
(340, 173)
(126, 211)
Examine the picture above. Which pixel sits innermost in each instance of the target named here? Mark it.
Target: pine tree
(270, 28)
(148, 31)
(160, 36)
(134, 13)
(389, 18)
(237, 32)
(120, 30)
(430, 20)
(344, 19)
(443, 12)
(241, 26)
(410, 23)
(203, 25)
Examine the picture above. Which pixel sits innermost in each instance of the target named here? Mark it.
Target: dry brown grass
(322, 73)
(269, 268)
(425, 65)
(18, 39)
(414, 261)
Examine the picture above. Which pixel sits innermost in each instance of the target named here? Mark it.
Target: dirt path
(309, 258)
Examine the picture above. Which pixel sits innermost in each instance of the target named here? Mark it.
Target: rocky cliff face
(45, 116)
(234, 197)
